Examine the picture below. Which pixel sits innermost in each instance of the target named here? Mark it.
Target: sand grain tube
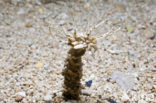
(73, 66)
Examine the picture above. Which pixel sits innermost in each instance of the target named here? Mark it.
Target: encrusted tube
(73, 65)
(73, 74)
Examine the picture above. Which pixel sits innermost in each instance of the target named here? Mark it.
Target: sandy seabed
(33, 48)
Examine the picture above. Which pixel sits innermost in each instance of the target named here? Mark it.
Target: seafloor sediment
(33, 48)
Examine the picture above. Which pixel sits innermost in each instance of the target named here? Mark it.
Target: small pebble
(87, 6)
(89, 83)
(125, 97)
(18, 98)
(111, 100)
(39, 65)
(49, 101)
(129, 28)
(28, 25)
(149, 35)
(40, 10)
(23, 94)
(149, 87)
